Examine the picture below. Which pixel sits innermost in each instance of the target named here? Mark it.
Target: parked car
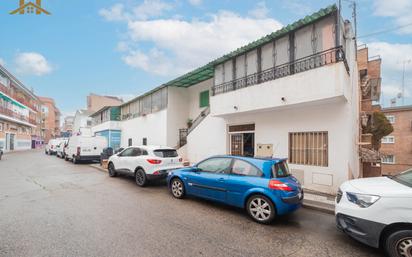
(378, 212)
(264, 187)
(51, 147)
(145, 163)
(1, 153)
(85, 148)
(105, 155)
(60, 147)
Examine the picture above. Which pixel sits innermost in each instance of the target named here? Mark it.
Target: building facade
(293, 93)
(369, 68)
(396, 148)
(50, 119)
(67, 127)
(106, 122)
(96, 102)
(82, 122)
(19, 114)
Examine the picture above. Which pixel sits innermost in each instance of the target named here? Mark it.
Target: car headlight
(362, 200)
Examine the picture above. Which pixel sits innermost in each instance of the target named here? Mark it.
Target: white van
(60, 146)
(51, 147)
(85, 148)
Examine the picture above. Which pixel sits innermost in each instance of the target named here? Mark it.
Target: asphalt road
(49, 207)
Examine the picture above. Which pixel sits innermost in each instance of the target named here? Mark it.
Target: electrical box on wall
(264, 150)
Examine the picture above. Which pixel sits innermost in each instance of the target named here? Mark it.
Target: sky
(126, 47)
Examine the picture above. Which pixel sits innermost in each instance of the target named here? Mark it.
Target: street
(49, 207)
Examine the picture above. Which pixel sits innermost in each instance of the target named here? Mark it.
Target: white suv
(378, 212)
(145, 163)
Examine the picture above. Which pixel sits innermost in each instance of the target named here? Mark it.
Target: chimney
(21, 4)
(38, 3)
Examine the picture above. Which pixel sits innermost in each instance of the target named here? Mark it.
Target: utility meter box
(264, 150)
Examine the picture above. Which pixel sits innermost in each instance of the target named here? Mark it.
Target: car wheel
(399, 244)
(261, 209)
(178, 188)
(66, 158)
(140, 177)
(112, 170)
(74, 160)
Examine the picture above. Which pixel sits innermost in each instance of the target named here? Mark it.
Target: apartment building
(96, 102)
(106, 122)
(19, 114)
(396, 148)
(50, 118)
(67, 127)
(293, 93)
(369, 68)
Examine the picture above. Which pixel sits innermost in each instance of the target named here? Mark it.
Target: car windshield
(404, 178)
(165, 153)
(280, 170)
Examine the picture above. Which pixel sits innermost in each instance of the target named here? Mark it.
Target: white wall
(152, 126)
(194, 97)
(314, 85)
(80, 121)
(108, 125)
(177, 114)
(208, 139)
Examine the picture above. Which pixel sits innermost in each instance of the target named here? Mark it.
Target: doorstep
(319, 201)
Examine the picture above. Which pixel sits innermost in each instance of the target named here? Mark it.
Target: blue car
(264, 187)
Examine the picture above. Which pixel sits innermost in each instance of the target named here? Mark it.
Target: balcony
(16, 117)
(17, 98)
(322, 77)
(320, 59)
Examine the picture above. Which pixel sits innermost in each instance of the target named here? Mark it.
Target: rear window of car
(165, 153)
(280, 170)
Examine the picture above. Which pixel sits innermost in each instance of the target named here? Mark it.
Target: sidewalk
(319, 201)
(313, 200)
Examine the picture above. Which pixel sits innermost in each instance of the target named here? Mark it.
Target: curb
(97, 167)
(317, 206)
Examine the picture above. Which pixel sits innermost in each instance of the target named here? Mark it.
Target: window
(130, 142)
(136, 152)
(280, 170)
(127, 152)
(165, 153)
(204, 99)
(1, 126)
(391, 118)
(243, 168)
(144, 141)
(215, 165)
(388, 140)
(308, 148)
(388, 159)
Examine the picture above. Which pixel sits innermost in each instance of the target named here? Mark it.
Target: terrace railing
(320, 59)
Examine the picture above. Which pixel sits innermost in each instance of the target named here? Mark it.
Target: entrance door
(9, 142)
(12, 142)
(242, 144)
(236, 144)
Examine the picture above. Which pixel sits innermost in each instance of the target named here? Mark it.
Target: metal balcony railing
(11, 114)
(320, 59)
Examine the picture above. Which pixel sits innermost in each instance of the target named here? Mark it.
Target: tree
(379, 127)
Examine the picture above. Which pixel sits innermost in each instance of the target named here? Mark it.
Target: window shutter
(204, 99)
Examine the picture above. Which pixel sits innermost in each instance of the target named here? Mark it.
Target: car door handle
(221, 180)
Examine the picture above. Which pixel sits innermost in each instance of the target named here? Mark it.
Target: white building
(82, 122)
(293, 93)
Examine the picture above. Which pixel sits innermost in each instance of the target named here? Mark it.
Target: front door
(209, 181)
(236, 144)
(9, 142)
